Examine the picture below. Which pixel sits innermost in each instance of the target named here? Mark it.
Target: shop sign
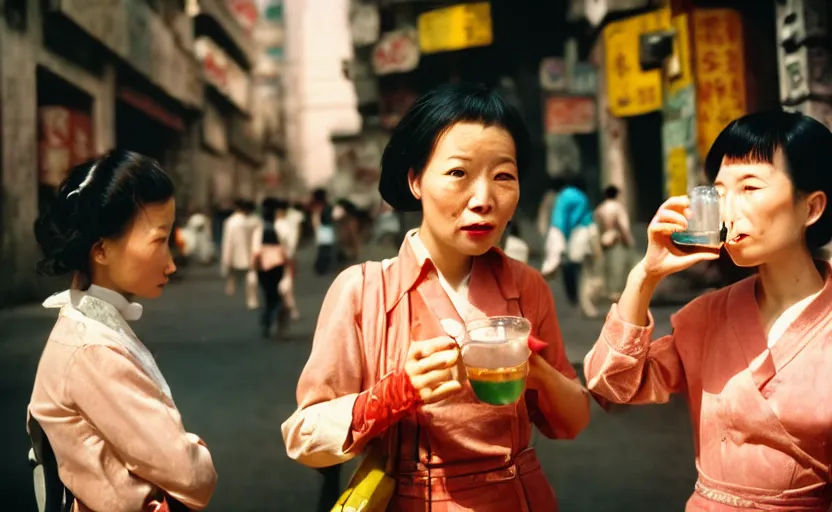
(214, 130)
(65, 141)
(223, 73)
(151, 109)
(720, 72)
(682, 57)
(365, 24)
(553, 74)
(396, 52)
(799, 20)
(584, 81)
(631, 91)
(455, 28)
(245, 12)
(569, 114)
(272, 11)
(676, 180)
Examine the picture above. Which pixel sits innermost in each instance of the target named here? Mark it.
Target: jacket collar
(410, 268)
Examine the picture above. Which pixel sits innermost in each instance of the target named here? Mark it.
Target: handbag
(371, 487)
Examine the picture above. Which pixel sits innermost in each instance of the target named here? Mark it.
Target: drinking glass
(704, 227)
(496, 358)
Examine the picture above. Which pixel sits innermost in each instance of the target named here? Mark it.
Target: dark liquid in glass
(498, 386)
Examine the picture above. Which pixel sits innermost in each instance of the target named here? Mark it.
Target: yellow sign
(454, 28)
(677, 172)
(681, 52)
(630, 90)
(720, 72)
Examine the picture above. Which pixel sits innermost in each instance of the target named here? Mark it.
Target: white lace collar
(130, 311)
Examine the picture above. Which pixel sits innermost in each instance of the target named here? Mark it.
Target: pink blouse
(456, 439)
(117, 436)
(762, 417)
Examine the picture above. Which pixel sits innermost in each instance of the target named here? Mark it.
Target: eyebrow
(744, 177)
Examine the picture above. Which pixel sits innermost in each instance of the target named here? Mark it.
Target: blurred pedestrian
(288, 227)
(573, 244)
(104, 406)
(616, 241)
(324, 227)
(198, 238)
(268, 257)
(348, 231)
(235, 262)
(385, 359)
(514, 246)
(752, 358)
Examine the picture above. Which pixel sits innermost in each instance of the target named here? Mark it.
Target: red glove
(536, 345)
(384, 404)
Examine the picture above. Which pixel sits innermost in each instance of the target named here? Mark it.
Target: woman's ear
(816, 203)
(98, 253)
(415, 184)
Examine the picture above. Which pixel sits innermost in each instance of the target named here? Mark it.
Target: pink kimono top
(107, 412)
(475, 455)
(762, 417)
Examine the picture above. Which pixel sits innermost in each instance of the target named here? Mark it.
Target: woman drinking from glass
(753, 358)
(390, 359)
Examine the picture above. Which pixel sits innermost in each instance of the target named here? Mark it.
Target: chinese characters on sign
(630, 90)
(720, 72)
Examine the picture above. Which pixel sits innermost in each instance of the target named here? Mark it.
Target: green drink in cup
(496, 358)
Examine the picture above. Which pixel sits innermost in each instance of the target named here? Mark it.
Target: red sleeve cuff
(384, 404)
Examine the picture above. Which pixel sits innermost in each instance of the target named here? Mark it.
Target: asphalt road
(235, 389)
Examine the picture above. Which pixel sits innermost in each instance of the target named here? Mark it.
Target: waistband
(815, 497)
(443, 482)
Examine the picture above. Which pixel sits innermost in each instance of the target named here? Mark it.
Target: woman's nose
(480, 200)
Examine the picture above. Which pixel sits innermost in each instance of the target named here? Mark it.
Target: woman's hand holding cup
(430, 365)
(663, 256)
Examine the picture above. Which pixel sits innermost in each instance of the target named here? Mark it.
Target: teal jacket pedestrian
(572, 210)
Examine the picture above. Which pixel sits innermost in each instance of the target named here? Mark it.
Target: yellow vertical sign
(630, 90)
(455, 28)
(677, 172)
(720, 72)
(681, 52)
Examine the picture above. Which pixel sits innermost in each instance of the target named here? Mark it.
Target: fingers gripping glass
(705, 227)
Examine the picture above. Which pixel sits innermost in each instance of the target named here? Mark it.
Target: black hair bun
(62, 243)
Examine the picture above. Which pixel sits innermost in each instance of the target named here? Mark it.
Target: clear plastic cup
(704, 227)
(496, 358)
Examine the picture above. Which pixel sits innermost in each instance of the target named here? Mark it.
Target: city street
(234, 389)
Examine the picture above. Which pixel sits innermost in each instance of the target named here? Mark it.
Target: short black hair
(611, 192)
(414, 139)
(98, 199)
(807, 149)
(319, 195)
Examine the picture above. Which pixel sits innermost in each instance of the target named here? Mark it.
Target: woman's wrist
(643, 280)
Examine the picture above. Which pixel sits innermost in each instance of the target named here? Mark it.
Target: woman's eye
(457, 173)
(505, 176)
(750, 188)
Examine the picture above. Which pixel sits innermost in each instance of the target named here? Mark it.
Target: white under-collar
(130, 311)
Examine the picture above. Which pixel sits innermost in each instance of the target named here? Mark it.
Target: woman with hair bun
(99, 398)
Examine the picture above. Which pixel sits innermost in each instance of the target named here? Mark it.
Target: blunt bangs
(806, 145)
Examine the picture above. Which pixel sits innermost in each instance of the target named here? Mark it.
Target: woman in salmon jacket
(99, 397)
(754, 357)
(458, 155)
